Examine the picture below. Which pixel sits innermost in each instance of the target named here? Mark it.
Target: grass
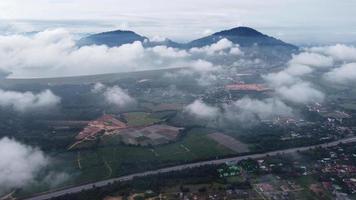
(140, 119)
(128, 159)
(305, 182)
(349, 106)
(124, 159)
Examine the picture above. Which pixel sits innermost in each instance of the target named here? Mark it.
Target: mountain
(166, 42)
(244, 36)
(112, 38)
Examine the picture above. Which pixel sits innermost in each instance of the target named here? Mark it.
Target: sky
(295, 21)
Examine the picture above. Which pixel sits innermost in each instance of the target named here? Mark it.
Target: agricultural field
(349, 106)
(140, 119)
(115, 160)
(229, 142)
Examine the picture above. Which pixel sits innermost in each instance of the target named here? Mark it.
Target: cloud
(289, 84)
(207, 79)
(298, 66)
(203, 66)
(54, 179)
(301, 92)
(312, 60)
(113, 95)
(4, 74)
(53, 53)
(222, 47)
(244, 111)
(27, 100)
(186, 20)
(201, 110)
(344, 74)
(117, 96)
(98, 87)
(19, 165)
(280, 78)
(157, 38)
(298, 70)
(247, 109)
(169, 52)
(339, 52)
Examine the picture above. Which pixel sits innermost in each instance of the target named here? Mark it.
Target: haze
(295, 21)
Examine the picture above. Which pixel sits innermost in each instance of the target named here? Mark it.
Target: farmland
(140, 119)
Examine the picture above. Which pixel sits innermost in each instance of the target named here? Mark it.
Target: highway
(76, 189)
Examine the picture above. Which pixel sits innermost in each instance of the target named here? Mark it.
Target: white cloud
(280, 78)
(201, 110)
(344, 74)
(19, 164)
(339, 52)
(301, 92)
(27, 101)
(298, 70)
(203, 66)
(312, 60)
(114, 95)
(289, 84)
(222, 47)
(169, 52)
(117, 96)
(98, 87)
(236, 51)
(157, 38)
(297, 67)
(53, 53)
(246, 109)
(54, 179)
(207, 32)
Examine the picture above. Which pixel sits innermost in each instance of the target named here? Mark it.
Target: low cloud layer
(114, 95)
(202, 110)
(339, 52)
(54, 53)
(222, 47)
(290, 84)
(344, 74)
(301, 92)
(19, 164)
(245, 110)
(312, 59)
(334, 64)
(24, 101)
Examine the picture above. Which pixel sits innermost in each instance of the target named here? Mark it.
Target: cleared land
(109, 130)
(149, 135)
(106, 123)
(229, 142)
(247, 87)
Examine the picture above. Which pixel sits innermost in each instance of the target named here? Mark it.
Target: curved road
(76, 189)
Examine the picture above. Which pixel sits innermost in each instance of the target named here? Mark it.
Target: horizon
(322, 23)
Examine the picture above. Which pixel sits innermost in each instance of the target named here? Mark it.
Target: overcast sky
(296, 21)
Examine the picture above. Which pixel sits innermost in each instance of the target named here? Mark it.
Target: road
(76, 189)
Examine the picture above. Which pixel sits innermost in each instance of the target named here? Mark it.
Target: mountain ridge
(244, 36)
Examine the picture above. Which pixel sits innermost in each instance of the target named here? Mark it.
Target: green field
(349, 106)
(121, 159)
(140, 119)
